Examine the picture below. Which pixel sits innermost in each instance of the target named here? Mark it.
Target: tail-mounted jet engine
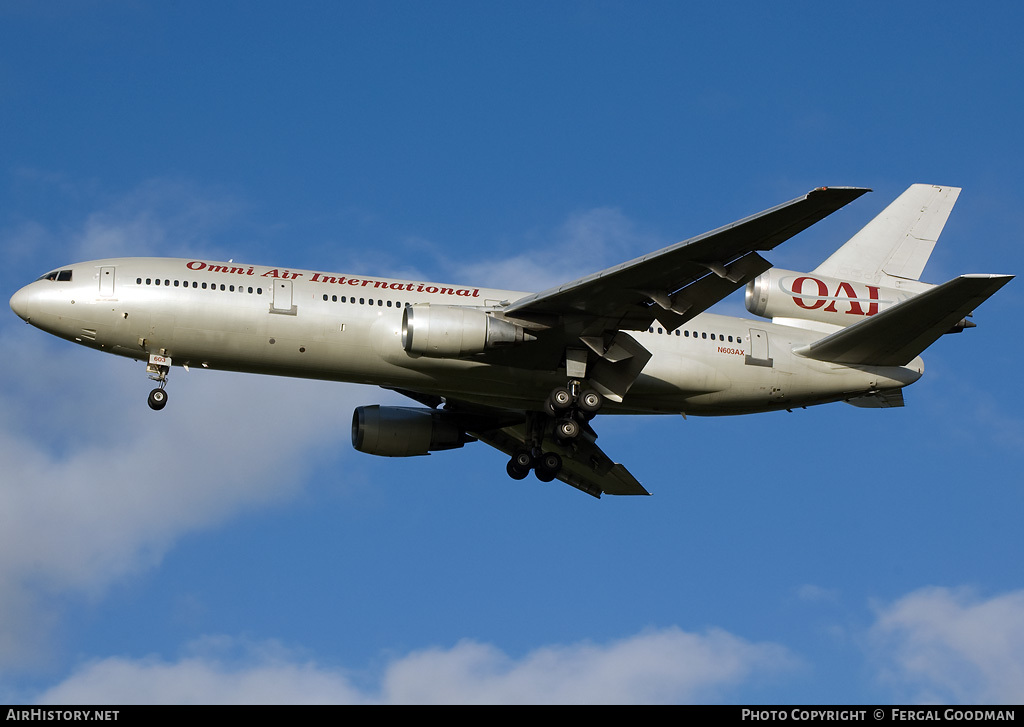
(397, 431)
(451, 331)
(811, 297)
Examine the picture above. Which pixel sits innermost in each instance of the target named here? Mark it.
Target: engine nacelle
(452, 331)
(806, 296)
(398, 431)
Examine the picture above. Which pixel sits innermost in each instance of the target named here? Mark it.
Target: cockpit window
(59, 275)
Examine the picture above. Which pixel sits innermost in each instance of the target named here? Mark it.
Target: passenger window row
(196, 284)
(167, 283)
(697, 334)
(363, 301)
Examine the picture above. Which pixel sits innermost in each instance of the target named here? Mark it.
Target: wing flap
(704, 293)
(896, 335)
(885, 399)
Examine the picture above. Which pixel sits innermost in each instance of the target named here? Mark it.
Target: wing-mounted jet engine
(453, 331)
(399, 431)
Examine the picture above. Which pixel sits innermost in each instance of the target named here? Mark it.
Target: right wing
(584, 465)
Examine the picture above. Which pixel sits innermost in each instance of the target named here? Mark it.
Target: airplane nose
(19, 303)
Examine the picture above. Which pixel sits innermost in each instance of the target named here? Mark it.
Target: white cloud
(160, 217)
(97, 486)
(585, 243)
(272, 676)
(945, 645)
(664, 666)
(668, 665)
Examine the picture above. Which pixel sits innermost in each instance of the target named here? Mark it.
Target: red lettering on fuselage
(214, 268)
(845, 293)
(798, 288)
(283, 274)
(199, 265)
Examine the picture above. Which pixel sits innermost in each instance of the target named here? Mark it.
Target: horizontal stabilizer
(897, 335)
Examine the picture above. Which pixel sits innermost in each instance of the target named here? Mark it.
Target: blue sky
(235, 548)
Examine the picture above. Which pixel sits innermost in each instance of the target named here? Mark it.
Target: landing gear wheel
(522, 460)
(590, 401)
(520, 464)
(560, 399)
(514, 472)
(548, 467)
(566, 429)
(157, 399)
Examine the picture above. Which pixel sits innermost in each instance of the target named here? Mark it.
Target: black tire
(548, 466)
(522, 460)
(560, 399)
(157, 399)
(590, 401)
(567, 428)
(515, 472)
(544, 475)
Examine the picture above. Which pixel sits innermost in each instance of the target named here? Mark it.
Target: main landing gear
(158, 367)
(566, 412)
(546, 465)
(571, 406)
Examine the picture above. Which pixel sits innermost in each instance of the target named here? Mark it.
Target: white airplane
(527, 372)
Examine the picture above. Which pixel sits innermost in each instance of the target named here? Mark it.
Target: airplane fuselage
(331, 326)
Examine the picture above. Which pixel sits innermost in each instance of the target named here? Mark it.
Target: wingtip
(835, 197)
(855, 191)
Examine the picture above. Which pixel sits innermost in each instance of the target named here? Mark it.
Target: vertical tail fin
(876, 268)
(894, 246)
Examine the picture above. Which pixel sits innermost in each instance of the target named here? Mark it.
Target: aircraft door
(758, 345)
(283, 298)
(107, 281)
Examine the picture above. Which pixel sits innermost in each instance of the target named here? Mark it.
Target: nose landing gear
(158, 367)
